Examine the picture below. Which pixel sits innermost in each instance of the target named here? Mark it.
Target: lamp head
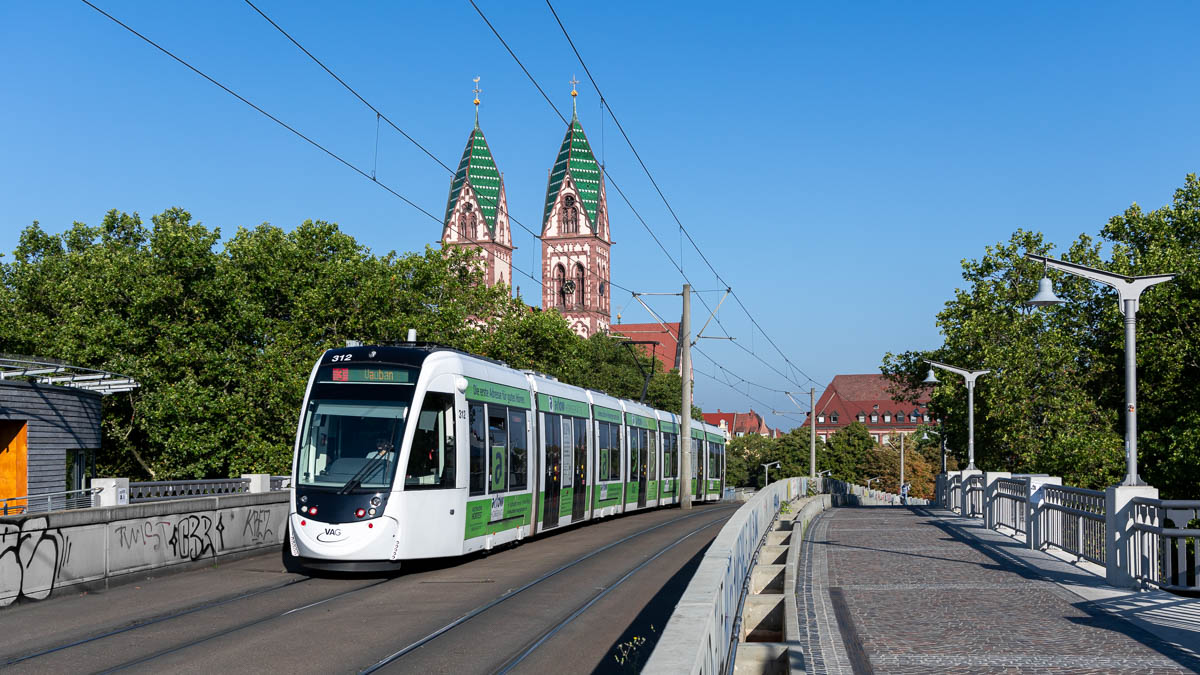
(930, 378)
(1045, 295)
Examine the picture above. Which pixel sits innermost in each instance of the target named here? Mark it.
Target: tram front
(350, 442)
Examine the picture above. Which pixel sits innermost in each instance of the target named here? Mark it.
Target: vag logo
(330, 535)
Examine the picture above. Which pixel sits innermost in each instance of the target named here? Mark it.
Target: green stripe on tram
(490, 392)
(479, 515)
(562, 406)
(636, 420)
(606, 414)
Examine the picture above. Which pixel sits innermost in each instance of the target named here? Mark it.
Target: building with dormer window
(865, 398)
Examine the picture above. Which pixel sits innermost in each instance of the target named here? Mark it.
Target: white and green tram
(414, 451)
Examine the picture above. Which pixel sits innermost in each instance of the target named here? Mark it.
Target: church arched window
(579, 284)
(560, 279)
(467, 222)
(570, 215)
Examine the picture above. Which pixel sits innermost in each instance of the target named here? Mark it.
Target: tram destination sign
(360, 374)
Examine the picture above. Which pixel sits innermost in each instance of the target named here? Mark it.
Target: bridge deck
(898, 590)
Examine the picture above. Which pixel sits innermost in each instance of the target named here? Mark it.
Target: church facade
(576, 242)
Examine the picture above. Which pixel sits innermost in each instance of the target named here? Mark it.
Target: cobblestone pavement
(888, 590)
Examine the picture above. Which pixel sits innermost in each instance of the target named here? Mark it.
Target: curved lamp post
(969, 376)
(1129, 291)
(766, 467)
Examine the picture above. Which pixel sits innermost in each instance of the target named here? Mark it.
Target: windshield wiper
(368, 470)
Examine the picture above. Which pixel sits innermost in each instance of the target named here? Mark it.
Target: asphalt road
(252, 616)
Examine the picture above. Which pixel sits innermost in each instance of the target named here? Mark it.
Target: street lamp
(765, 467)
(871, 480)
(1129, 291)
(969, 376)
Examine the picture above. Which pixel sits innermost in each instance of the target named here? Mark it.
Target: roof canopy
(57, 372)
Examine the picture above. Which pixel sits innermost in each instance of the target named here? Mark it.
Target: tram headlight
(375, 501)
(312, 510)
(303, 509)
(360, 513)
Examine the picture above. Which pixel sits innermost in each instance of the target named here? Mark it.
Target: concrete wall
(73, 550)
(59, 419)
(696, 638)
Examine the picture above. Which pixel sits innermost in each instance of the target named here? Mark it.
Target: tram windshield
(350, 444)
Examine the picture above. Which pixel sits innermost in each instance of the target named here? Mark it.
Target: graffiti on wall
(35, 558)
(31, 557)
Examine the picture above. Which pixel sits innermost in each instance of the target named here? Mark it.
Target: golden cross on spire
(574, 93)
(477, 91)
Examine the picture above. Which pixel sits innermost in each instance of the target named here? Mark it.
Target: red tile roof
(742, 423)
(667, 349)
(849, 396)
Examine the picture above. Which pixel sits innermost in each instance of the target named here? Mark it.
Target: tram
(422, 451)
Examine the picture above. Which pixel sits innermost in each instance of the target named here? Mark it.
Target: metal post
(812, 438)
(901, 489)
(685, 365)
(1131, 472)
(943, 434)
(971, 424)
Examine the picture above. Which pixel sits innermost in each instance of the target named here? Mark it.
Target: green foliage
(1053, 402)
(222, 334)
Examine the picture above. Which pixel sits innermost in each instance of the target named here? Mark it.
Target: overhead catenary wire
(626, 199)
(380, 115)
(608, 106)
(339, 158)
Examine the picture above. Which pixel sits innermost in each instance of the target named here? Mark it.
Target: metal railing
(280, 482)
(1009, 504)
(1166, 551)
(50, 501)
(954, 492)
(160, 490)
(974, 492)
(1073, 520)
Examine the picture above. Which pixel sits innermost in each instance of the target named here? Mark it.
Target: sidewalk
(919, 590)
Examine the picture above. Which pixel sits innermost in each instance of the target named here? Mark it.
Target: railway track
(236, 617)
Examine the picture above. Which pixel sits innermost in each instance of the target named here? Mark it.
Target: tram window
(614, 452)
(602, 450)
(653, 438)
(431, 458)
(518, 467)
(478, 451)
(498, 448)
(351, 444)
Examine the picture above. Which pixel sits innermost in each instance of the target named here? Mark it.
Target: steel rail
(512, 663)
(239, 627)
(150, 622)
(391, 658)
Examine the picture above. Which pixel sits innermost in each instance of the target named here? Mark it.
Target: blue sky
(835, 161)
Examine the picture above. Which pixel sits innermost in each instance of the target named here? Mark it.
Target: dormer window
(834, 418)
(926, 417)
(874, 418)
(862, 417)
(820, 419)
(887, 418)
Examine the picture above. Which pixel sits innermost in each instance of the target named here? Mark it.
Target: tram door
(579, 496)
(643, 474)
(552, 478)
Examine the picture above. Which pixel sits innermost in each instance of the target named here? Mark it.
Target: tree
(847, 453)
(222, 334)
(1053, 403)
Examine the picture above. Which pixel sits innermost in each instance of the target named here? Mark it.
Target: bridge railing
(49, 501)
(1010, 505)
(1139, 539)
(162, 490)
(1074, 521)
(1166, 547)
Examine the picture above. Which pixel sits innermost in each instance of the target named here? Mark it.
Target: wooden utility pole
(685, 433)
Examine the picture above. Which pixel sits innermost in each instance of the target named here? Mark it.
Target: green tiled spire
(478, 168)
(575, 155)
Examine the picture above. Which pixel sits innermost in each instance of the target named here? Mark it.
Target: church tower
(477, 209)
(575, 236)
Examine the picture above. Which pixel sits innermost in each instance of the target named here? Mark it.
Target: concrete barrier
(50, 553)
(696, 639)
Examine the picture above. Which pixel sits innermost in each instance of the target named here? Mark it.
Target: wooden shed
(49, 425)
